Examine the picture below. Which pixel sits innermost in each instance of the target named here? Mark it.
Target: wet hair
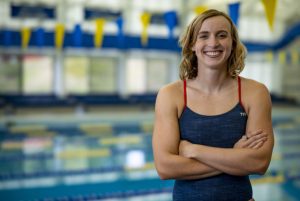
(189, 63)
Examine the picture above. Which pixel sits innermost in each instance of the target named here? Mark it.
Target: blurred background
(78, 81)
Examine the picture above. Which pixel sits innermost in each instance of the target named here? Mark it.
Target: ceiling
(287, 11)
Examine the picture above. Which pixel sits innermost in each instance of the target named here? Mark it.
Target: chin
(216, 65)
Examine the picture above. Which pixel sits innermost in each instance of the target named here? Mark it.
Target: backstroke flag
(145, 20)
(99, 34)
(59, 35)
(234, 12)
(26, 33)
(270, 7)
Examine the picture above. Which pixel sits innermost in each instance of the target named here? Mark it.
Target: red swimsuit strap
(240, 92)
(184, 93)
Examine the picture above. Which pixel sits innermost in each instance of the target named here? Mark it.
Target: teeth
(213, 53)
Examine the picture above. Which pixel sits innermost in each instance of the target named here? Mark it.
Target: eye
(202, 36)
(222, 35)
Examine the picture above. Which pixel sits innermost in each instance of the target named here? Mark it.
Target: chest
(214, 105)
(222, 130)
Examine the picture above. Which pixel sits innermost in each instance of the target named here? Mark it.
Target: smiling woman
(214, 44)
(227, 33)
(212, 128)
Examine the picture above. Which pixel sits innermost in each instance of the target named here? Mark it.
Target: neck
(212, 81)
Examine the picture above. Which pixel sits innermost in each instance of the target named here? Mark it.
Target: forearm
(202, 176)
(200, 171)
(178, 167)
(231, 161)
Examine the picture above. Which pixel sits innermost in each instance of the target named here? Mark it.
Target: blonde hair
(189, 64)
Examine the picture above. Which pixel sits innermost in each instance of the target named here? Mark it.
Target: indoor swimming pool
(109, 157)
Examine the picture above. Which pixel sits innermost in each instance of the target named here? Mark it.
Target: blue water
(70, 161)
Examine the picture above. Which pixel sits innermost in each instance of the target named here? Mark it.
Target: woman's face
(214, 43)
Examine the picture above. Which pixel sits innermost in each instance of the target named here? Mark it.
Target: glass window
(37, 74)
(76, 71)
(135, 75)
(10, 74)
(103, 75)
(157, 74)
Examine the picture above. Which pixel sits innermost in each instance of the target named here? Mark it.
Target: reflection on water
(100, 161)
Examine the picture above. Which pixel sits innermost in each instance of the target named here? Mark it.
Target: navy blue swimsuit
(222, 131)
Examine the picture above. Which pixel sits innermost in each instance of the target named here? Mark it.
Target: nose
(213, 41)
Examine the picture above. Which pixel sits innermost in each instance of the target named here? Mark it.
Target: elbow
(261, 168)
(163, 176)
(163, 171)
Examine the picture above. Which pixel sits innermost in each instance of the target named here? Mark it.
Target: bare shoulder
(170, 95)
(171, 91)
(253, 87)
(254, 92)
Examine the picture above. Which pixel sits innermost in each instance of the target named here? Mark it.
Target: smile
(213, 53)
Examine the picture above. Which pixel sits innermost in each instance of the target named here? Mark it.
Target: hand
(253, 140)
(185, 149)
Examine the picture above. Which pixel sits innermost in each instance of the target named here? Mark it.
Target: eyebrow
(206, 32)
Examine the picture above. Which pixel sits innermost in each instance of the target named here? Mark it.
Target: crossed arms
(176, 159)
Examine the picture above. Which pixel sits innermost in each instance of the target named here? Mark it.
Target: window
(157, 74)
(146, 75)
(135, 75)
(103, 75)
(76, 70)
(37, 74)
(10, 66)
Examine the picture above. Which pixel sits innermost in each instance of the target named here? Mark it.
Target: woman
(212, 127)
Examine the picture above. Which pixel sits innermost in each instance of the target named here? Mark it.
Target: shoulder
(170, 95)
(172, 88)
(254, 92)
(253, 87)
(171, 91)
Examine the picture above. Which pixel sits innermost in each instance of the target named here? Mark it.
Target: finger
(253, 145)
(252, 139)
(258, 145)
(260, 140)
(257, 137)
(245, 141)
(248, 141)
(256, 132)
(253, 133)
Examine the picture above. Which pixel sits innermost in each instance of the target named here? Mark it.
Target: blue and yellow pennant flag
(99, 33)
(234, 12)
(59, 36)
(171, 21)
(120, 23)
(25, 33)
(282, 57)
(270, 8)
(145, 20)
(295, 57)
(200, 9)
